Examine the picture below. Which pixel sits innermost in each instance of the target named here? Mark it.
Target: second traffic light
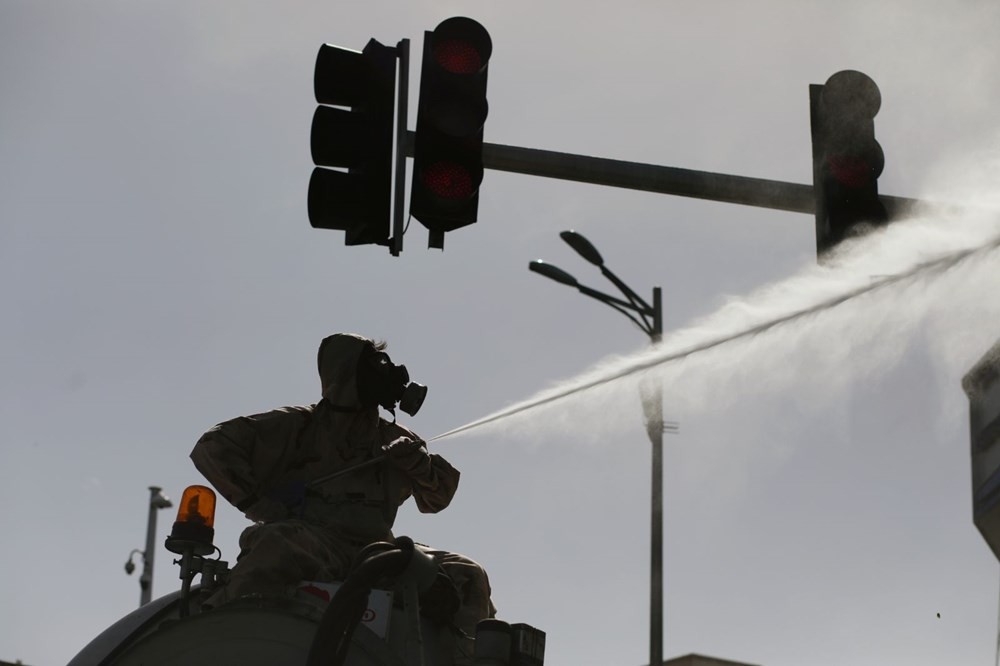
(847, 160)
(448, 149)
(359, 140)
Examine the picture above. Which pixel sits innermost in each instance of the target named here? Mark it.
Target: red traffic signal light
(847, 160)
(353, 149)
(448, 148)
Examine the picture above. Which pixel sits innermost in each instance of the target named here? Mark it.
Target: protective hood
(338, 368)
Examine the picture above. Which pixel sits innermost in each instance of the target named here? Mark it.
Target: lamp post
(649, 318)
(157, 501)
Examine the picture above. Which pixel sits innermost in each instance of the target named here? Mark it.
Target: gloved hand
(408, 456)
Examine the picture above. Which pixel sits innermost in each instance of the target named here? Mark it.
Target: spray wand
(361, 465)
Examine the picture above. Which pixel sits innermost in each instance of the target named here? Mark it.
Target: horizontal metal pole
(774, 194)
(651, 178)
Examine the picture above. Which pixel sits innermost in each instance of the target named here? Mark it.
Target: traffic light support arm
(773, 194)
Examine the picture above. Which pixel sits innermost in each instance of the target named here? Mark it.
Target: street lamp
(650, 319)
(157, 500)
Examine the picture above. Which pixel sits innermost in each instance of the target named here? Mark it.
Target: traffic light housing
(448, 148)
(354, 194)
(847, 160)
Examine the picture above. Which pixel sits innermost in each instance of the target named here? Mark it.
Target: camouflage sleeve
(434, 489)
(433, 479)
(224, 455)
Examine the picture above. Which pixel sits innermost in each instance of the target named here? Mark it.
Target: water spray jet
(646, 362)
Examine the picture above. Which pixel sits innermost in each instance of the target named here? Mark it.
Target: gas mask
(381, 382)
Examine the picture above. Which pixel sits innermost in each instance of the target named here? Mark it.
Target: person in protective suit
(266, 464)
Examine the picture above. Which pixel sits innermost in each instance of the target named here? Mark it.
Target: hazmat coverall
(263, 465)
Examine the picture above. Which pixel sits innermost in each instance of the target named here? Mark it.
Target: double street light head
(647, 317)
(553, 273)
(583, 247)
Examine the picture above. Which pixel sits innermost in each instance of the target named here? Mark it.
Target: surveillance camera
(129, 567)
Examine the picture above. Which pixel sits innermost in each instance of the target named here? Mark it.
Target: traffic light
(358, 142)
(847, 160)
(448, 149)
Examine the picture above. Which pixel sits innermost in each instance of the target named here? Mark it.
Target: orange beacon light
(194, 528)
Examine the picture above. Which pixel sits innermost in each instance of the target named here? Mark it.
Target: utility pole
(653, 408)
(157, 501)
(650, 320)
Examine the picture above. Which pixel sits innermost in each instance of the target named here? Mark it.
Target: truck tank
(371, 618)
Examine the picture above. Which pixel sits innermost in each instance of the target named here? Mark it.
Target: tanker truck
(371, 618)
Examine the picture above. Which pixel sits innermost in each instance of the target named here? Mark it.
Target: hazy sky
(158, 274)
